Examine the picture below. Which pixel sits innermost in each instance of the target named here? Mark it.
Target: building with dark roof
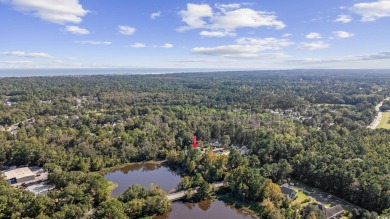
(288, 191)
(331, 212)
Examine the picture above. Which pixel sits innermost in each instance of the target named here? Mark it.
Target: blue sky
(260, 34)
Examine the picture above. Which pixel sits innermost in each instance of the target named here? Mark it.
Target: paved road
(326, 198)
(378, 118)
(178, 195)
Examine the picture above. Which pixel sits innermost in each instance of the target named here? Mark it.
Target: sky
(261, 34)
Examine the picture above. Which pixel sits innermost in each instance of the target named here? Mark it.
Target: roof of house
(18, 173)
(332, 211)
(287, 190)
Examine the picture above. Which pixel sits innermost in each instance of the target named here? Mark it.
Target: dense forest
(309, 126)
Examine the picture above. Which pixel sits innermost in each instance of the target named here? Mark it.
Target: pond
(147, 173)
(143, 174)
(204, 209)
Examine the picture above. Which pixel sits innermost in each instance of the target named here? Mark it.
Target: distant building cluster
(219, 149)
(288, 113)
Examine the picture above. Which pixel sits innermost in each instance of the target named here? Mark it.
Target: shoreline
(114, 185)
(119, 166)
(228, 198)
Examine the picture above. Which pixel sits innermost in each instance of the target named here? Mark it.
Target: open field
(384, 124)
(321, 197)
(301, 197)
(335, 104)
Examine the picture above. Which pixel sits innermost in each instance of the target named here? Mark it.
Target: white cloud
(166, 46)
(141, 45)
(94, 42)
(365, 57)
(313, 35)
(342, 34)
(25, 54)
(286, 35)
(224, 7)
(247, 48)
(76, 30)
(313, 46)
(194, 15)
(343, 19)
(54, 11)
(227, 18)
(126, 30)
(381, 55)
(138, 45)
(371, 11)
(17, 62)
(245, 17)
(226, 50)
(207, 33)
(265, 43)
(155, 15)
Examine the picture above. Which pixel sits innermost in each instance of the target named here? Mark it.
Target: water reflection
(144, 167)
(205, 205)
(147, 173)
(143, 174)
(204, 209)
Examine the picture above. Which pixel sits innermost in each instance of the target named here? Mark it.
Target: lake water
(147, 173)
(204, 209)
(143, 174)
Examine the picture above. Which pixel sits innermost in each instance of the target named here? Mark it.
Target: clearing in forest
(384, 124)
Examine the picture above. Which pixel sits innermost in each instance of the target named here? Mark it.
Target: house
(220, 151)
(31, 121)
(288, 191)
(331, 212)
(243, 150)
(19, 175)
(216, 150)
(216, 144)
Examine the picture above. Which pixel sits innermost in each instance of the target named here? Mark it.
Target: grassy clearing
(97, 112)
(302, 197)
(384, 124)
(334, 104)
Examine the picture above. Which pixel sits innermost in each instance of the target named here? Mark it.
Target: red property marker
(194, 144)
